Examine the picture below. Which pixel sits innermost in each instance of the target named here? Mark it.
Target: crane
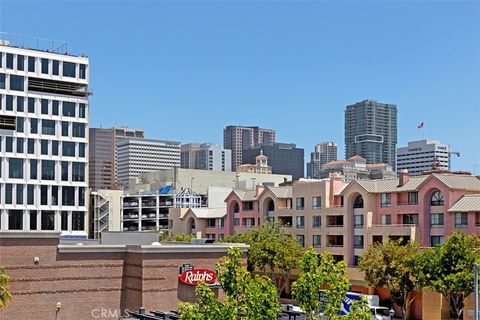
(450, 156)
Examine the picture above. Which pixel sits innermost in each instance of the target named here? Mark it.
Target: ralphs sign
(192, 277)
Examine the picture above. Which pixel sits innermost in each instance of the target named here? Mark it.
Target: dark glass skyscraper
(371, 131)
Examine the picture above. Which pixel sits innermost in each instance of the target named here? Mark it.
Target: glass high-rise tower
(371, 131)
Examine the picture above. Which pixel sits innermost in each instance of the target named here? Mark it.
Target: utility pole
(475, 291)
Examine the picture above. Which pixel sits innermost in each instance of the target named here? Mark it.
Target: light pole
(475, 291)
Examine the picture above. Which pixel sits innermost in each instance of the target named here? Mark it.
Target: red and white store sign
(192, 277)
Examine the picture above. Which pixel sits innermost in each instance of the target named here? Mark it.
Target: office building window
(316, 203)
(2, 81)
(44, 195)
(461, 220)
(300, 222)
(9, 61)
(54, 197)
(31, 146)
(78, 171)
(316, 222)
(8, 193)
(15, 220)
(64, 171)
(31, 64)
(64, 220)
(48, 127)
(78, 220)
(30, 194)
(44, 106)
(68, 109)
(20, 126)
(436, 220)
(300, 203)
(33, 125)
(55, 105)
(8, 144)
(81, 150)
(44, 147)
(48, 220)
(33, 169)
(82, 71)
(33, 220)
(31, 105)
(20, 103)
(81, 196)
(15, 168)
(44, 63)
(20, 145)
(78, 130)
(68, 149)
(9, 103)
(69, 69)
(64, 129)
(19, 194)
(385, 200)
(54, 148)
(20, 62)
(301, 240)
(48, 170)
(317, 241)
(16, 83)
(81, 110)
(55, 67)
(68, 196)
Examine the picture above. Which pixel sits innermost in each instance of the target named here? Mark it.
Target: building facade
(423, 155)
(260, 166)
(284, 158)
(356, 168)
(44, 119)
(102, 159)
(205, 156)
(238, 138)
(324, 152)
(136, 156)
(371, 131)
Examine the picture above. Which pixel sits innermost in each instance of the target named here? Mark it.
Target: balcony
(395, 230)
(334, 221)
(335, 241)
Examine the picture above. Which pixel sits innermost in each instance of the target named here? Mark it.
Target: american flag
(420, 125)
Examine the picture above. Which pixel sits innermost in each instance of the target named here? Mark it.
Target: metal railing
(31, 42)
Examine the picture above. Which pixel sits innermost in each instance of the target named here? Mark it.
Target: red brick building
(94, 281)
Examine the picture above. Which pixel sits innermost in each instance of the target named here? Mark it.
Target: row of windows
(47, 66)
(437, 220)
(47, 147)
(46, 219)
(49, 195)
(69, 171)
(47, 107)
(16, 83)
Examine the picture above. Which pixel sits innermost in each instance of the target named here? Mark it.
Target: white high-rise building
(44, 120)
(145, 155)
(205, 156)
(423, 155)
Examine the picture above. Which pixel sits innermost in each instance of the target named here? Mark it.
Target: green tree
(321, 272)
(180, 237)
(273, 252)
(5, 295)
(391, 265)
(448, 269)
(247, 297)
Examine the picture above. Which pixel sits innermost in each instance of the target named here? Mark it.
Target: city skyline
(215, 66)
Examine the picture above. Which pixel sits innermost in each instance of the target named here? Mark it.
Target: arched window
(271, 205)
(236, 208)
(437, 199)
(358, 202)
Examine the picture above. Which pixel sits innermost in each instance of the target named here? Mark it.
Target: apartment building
(44, 119)
(238, 138)
(423, 155)
(323, 153)
(357, 168)
(371, 131)
(137, 156)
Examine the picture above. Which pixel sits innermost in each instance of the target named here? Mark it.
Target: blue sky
(182, 70)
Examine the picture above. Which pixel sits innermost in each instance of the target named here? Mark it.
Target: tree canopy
(391, 265)
(5, 295)
(247, 297)
(448, 269)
